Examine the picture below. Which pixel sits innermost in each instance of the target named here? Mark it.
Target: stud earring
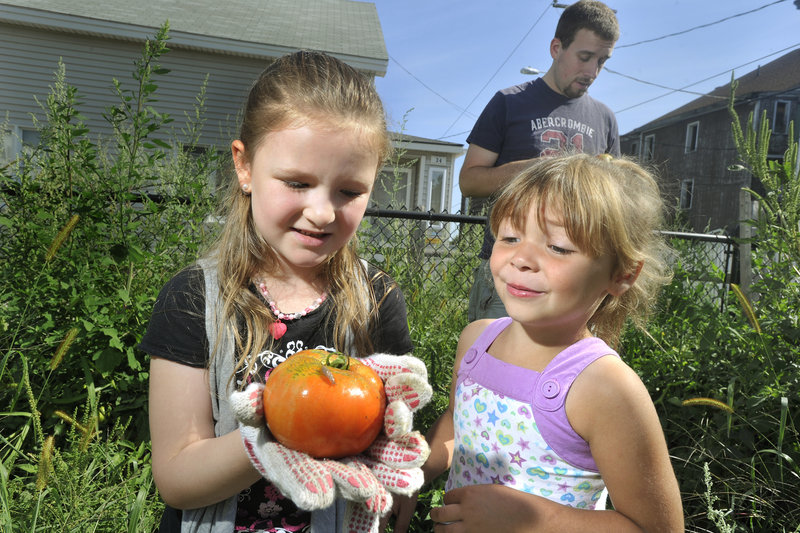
(246, 188)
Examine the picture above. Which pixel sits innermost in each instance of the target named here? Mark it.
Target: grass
(78, 484)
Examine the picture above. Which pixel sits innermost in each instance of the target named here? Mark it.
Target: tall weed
(85, 243)
(96, 484)
(739, 363)
(91, 227)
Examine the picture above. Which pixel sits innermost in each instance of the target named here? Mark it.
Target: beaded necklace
(278, 328)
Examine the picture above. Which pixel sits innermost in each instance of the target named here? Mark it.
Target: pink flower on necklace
(278, 328)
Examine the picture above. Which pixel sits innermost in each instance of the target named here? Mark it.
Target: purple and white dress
(511, 425)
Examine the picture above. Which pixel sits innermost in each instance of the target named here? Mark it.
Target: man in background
(550, 115)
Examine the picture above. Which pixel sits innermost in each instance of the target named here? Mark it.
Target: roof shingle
(782, 74)
(337, 26)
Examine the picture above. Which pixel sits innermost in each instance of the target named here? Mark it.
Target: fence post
(745, 233)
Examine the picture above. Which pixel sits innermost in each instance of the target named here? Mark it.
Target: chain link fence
(428, 251)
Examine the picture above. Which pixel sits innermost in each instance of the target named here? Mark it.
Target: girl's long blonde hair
(296, 89)
(609, 207)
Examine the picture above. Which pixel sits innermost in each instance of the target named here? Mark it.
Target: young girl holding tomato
(540, 402)
(282, 277)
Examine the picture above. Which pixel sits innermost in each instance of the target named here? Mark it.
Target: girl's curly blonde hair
(609, 207)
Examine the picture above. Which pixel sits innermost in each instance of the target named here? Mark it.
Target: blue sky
(448, 57)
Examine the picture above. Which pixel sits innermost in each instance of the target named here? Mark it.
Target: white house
(231, 43)
(420, 177)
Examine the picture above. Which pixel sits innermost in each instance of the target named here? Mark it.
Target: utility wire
(672, 89)
(459, 134)
(496, 71)
(456, 106)
(465, 111)
(699, 27)
(683, 89)
(727, 71)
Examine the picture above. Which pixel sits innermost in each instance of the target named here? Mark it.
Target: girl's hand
(403, 509)
(479, 508)
(390, 465)
(405, 380)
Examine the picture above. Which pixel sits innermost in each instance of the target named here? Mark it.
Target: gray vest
(220, 518)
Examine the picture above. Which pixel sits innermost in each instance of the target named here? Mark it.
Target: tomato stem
(341, 362)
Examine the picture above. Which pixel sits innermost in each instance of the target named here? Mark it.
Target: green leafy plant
(91, 228)
(130, 214)
(100, 224)
(100, 484)
(733, 387)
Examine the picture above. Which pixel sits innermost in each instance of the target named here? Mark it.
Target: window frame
(442, 199)
(442, 194)
(786, 116)
(692, 137)
(687, 191)
(649, 147)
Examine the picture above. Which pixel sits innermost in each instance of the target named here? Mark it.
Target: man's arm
(479, 177)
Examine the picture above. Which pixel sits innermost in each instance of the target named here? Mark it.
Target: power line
(497, 71)
(459, 108)
(465, 110)
(672, 90)
(699, 27)
(727, 71)
(460, 133)
(645, 82)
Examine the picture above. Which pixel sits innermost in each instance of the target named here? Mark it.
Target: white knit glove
(390, 464)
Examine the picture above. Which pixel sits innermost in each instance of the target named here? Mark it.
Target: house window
(392, 189)
(692, 132)
(687, 188)
(437, 177)
(780, 117)
(648, 150)
(195, 151)
(436, 196)
(31, 138)
(634, 149)
(757, 110)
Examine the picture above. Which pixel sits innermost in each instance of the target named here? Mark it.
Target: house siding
(29, 59)
(99, 45)
(263, 28)
(425, 162)
(715, 194)
(715, 166)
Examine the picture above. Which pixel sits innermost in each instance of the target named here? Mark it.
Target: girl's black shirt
(177, 332)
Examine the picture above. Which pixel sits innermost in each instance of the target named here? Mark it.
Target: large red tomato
(324, 404)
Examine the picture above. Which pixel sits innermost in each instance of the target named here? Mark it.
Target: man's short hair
(590, 15)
